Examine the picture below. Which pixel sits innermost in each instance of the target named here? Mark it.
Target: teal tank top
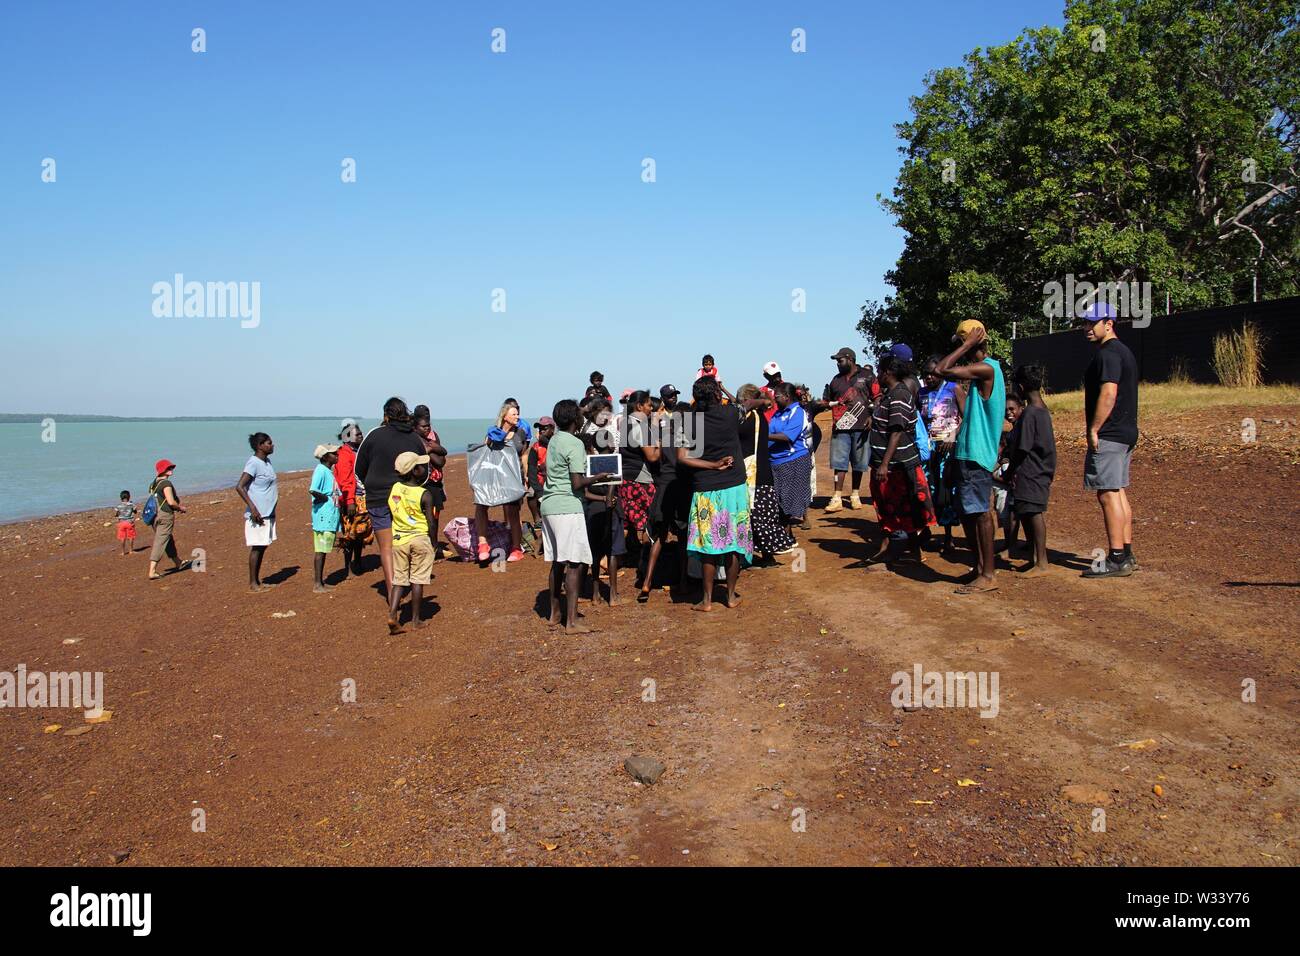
(981, 426)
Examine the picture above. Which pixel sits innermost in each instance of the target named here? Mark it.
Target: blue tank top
(981, 425)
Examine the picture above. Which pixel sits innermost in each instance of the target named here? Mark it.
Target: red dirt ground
(775, 712)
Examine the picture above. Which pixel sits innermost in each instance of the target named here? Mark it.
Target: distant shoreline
(23, 418)
(203, 488)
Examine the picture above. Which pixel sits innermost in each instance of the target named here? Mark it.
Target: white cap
(771, 368)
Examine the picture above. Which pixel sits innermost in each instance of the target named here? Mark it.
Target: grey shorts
(1106, 469)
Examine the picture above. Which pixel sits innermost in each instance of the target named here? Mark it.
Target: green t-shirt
(565, 456)
(981, 425)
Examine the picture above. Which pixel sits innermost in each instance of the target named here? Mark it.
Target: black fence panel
(1184, 339)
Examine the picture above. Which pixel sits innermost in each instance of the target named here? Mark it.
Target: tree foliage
(1147, 140)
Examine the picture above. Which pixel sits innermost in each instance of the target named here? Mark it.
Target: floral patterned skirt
(903, 502)
(355, 529)
(720, 523)
(634, 501)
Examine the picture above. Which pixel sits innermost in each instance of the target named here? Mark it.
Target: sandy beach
(769, 716)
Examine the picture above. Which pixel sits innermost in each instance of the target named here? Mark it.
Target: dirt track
(778, 707)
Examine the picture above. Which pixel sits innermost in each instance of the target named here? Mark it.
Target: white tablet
(601, 464)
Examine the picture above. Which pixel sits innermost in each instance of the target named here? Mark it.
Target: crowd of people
(723, 482)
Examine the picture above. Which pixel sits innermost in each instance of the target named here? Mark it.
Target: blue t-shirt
(792, 422)
(981, 426)
(324, 514)
(264, 491)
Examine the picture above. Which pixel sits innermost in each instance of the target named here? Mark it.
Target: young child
(596, 389)
(605, 537)
(125, 514)
(325, 515)
(411, 504)
(707, 368)
(1003, 499)
(537, 476)
(1031, 449)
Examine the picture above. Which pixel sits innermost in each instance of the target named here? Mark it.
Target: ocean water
(89, 463)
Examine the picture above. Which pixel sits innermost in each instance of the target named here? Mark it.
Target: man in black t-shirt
(1110, 392)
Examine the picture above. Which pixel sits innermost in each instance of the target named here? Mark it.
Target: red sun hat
(162, 464)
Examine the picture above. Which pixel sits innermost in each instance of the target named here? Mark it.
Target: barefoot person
(977, 444)
(124, 513)
(938, 406)
(410, 502)
(564, 529)
(433, 448)
(1110, 390)
(719, 525)
(354, 531)
(672, 502)
(1032, 453)
(260, 490)
(374, 469)
(169, 506)
(898, 484)
(641, 457)
(325, 516)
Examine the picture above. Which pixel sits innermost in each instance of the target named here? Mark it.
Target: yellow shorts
(412, 560)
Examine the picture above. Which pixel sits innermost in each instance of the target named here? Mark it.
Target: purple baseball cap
(1099, 311)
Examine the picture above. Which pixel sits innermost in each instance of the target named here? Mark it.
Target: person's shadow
(429, 605)
(279, 577)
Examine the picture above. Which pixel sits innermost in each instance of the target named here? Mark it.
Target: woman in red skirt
(898, 486)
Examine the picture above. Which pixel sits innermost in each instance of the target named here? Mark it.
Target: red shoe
(484, 552)
(516, 555)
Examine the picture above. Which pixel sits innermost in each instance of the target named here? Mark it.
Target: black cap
(847, 353)
(668, 390)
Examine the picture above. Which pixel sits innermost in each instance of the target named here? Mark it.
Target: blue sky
(475, 171)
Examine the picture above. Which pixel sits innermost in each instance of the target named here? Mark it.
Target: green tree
(1147, 140)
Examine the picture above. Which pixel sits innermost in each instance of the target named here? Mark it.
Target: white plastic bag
(494, 474)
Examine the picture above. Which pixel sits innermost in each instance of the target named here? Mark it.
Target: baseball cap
(847, 353)
(771, 368)
(900, 351)
(1098, 312)
(545, 421)
(668, 390)
(323, 450)
(162, 464)
(408, 460)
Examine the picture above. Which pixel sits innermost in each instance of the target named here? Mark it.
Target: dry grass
(1177, 397)
(1239, 357)
(1178, 374)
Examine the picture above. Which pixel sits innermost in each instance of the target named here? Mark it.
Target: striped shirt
(896, 411)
